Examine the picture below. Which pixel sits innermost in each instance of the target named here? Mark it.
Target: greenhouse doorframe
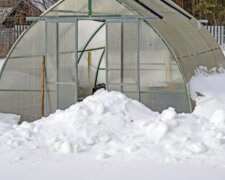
(52, 58)
(52, 33)
(52, 54)
(121, 25)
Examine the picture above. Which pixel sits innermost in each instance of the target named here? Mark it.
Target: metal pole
(122, 57)
(107, 56)
(89, 7)
(57, 63)
(89, 40)
(76, 61)
(138, 61)
(43, 71)
(98, 67)
(46, 60)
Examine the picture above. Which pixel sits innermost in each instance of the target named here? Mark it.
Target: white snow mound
(109, 125)
(207, 89)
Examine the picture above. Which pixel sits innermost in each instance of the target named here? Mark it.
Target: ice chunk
(197, 148)
(218, 119)
(66, 148)
(168, 114)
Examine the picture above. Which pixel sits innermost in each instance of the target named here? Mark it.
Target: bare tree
(44, 4)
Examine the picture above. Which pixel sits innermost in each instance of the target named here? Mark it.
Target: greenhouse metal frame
(147, 49)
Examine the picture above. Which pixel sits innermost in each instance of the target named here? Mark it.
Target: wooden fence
(8, 36)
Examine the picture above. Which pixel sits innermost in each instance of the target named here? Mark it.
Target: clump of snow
(218, 119)
(7, 121)
(65, 148)
(207, 105)
(168, 114)
(11, 119)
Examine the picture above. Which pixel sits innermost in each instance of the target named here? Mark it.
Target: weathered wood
(89, 59)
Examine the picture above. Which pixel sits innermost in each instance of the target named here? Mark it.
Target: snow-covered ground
(109, 136)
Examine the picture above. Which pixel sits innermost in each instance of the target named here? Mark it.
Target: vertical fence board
(8, 36)
(218, 33)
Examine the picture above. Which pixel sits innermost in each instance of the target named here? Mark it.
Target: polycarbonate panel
(24, 47)
(109, 7)
(88, 69)
(213, 45)
(160, 77)
(70, 8)
(160, 100)
(24, 103)
(183, 36)
(114, 52)
(91, 56)
(94, 34)
(137, 9)
(20, 87)
(122, 57)
(191, 37)
(51, 68)
(65, 62)
(130, 50)
(175, 10)
(60, 66)
(178, 47)
(172, 38)
(66, 95)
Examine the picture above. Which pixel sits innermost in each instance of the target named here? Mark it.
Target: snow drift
(109, 125)
(109, 134)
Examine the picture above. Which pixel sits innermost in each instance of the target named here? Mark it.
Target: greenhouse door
(122, 59)
(61, 67)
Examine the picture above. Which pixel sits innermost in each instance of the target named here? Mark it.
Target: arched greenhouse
(147, 49)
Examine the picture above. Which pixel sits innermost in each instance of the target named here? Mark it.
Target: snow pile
(108, 125)
(7, 121)
(207, 89)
